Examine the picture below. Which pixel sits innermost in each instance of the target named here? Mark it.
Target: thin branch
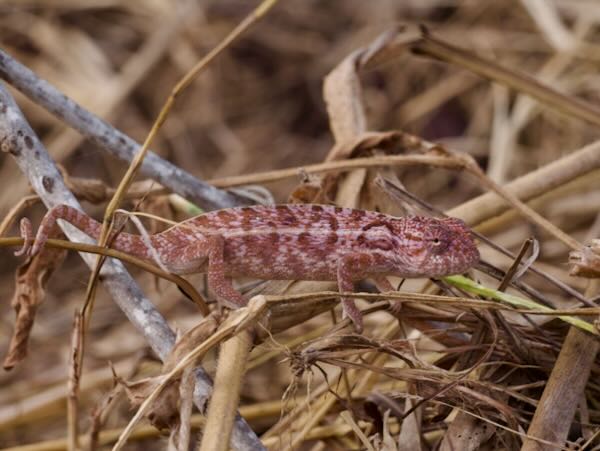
(342, 165)
(137, 161)
(114, 141)
(224, 401)
(565, 387)
(521, 82)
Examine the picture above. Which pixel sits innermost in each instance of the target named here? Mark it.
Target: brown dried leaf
(93, 190)
(468, 433)
(31, 278)
(342, 94)
(310, 190)
(164, 411)
(341, 89)
(366, 141)
(191, 339)
(411, 428)
(586, 262)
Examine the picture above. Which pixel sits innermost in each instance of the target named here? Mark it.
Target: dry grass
(291, 107)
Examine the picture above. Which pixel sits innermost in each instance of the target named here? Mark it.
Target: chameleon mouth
(465, 256)
(472, 256)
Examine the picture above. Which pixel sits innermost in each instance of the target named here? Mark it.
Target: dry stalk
(439, 49)
(347, 417)
(186, 390)
(238, 320)
(525, 211)
(343, 165)
(548, 20)
(16, 211)
(325, 402)
(226, 394)
(531, 185)
(77, 341)
(114, 141)
(564, 390)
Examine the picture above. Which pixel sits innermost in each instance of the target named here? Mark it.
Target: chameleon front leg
(350, 268)
(217, 281)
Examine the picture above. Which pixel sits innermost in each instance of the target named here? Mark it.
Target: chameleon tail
(49, 227)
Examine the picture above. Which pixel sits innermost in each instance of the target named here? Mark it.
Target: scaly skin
(290, 242)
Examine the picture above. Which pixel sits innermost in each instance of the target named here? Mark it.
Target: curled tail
(49, 229)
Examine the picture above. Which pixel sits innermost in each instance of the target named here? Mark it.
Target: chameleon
(290, 242)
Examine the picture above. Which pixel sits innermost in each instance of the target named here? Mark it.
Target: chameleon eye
(438, 243)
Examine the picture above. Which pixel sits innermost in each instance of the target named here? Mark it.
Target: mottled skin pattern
(289, 242)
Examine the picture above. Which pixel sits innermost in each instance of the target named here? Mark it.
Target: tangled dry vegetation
(478, 110)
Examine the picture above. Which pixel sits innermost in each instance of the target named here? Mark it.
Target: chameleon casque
(292, 242)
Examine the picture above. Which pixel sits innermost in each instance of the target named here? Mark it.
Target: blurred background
(259, 106)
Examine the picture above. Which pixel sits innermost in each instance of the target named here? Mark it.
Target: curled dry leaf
(164, 412)
(92, 190)
(191, 339)
(470, 434)
(586, 262)
(390, 141)
(347, 119)
(30, 290)
(310, 190)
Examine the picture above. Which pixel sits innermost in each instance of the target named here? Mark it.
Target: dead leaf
(31, 278)
(310, 191)
(191, 339)
(164, 411)
(347, 119)
(586, 262)
(357, 146)
(467, 433)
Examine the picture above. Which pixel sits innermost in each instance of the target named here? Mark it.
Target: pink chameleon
(292, 242)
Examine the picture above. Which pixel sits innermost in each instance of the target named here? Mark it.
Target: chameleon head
(436, 247)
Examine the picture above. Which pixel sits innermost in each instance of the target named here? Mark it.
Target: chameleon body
(293, 242)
